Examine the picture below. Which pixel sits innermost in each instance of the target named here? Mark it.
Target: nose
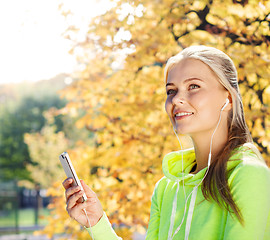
(178, 99)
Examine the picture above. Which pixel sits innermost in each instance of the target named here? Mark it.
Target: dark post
(16, 206)
(37, 203)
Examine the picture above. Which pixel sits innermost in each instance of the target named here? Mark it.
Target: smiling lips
(180, 115)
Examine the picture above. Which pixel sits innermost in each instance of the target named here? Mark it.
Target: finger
(72, 201)
(78, 212)
(70, 191)
(81, 206)
(88, 191)
(67, 183)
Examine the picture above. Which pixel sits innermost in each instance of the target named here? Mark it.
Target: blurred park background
(87, 77)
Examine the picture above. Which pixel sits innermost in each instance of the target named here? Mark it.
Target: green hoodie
(248, 179)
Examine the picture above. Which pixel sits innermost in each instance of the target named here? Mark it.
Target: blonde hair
(238, 133)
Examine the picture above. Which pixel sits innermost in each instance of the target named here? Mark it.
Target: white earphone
(225, 105)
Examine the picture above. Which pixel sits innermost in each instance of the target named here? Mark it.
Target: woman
(220, 189)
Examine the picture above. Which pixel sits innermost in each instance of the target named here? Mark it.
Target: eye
(193, 86)
(170, 91)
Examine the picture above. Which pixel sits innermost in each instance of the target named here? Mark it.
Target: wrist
(98, 219)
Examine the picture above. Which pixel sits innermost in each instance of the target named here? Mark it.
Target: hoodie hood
(175, 170)
(173, 167)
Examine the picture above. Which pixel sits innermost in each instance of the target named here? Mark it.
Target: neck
(202, 141)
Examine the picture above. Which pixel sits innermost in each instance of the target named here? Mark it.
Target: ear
(230, 105)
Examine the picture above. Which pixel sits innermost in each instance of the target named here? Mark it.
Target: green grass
(26, 217)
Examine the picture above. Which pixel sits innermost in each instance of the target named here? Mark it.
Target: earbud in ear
(225, 105)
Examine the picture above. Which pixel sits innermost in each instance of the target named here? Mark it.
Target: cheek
(198, 101)
(168, 107)
(207, 105)
(202, 103)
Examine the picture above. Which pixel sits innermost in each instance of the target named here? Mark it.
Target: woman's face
(194, 97)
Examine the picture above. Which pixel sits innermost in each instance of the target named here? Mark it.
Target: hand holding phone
(87, 213)
(70, 172)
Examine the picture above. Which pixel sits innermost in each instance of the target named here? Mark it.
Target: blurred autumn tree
(121, 91)
(20, 115)
(44, 147)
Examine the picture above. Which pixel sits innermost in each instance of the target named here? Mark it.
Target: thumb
(88, 191)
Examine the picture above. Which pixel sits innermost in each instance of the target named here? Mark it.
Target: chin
(186, 130)
(181, 130)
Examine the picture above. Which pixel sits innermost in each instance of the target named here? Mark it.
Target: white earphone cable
(208, 164)
(88, 223)
(182, 159)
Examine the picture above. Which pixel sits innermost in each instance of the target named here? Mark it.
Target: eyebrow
(186, 80)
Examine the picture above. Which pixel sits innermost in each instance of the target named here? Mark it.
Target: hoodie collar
(175, 170)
